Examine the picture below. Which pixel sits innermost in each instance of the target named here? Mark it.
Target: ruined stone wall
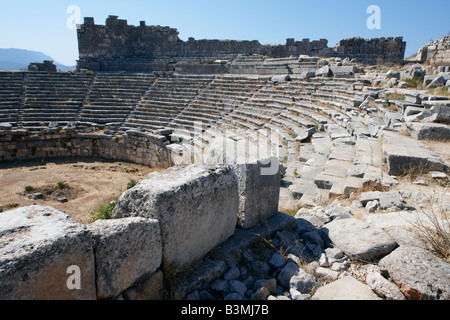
(46, 66)
(136, 147)
(116, 46)
(372, 51)
(436, 52)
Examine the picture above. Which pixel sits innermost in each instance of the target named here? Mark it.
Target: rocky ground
(368, 248)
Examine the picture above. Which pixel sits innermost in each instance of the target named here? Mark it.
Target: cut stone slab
(368, 152)
(346, 187)
(404, 154)
(387, 200)
(281, 78)
(344, 154)
(259, 193)
(258, 176)
(38, 245)
(440, 111)
(148, 289)
(298, 190)
(326, 182)
(418, 273)
(309, 172)
(431, 131)
(399, 225)
(359, 240)
(336, 131)
(324, 71)
(316, 160)
(305, 134)
(191, 224)
(347, 288)
(321, 143)
(125, 250)
(294, 167)
(343, 71)
(374, 175)
(337, 168)
(353, 184)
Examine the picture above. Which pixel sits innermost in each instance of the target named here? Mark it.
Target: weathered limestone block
(148, 289)
(432, 131)
(259, 193)
(343, 71)
(125, 250)
(324, 71)
(38, 245)
(404, 154)
(258, 175)
(196, 207)
(382, 286)
(418, 273)
(359, 240)
(281, 78)
(347, 288)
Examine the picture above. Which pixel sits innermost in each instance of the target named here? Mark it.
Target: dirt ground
(85, 184)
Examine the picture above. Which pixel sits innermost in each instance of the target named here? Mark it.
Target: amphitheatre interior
(340, 121)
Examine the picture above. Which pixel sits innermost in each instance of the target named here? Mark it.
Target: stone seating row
(10, 96)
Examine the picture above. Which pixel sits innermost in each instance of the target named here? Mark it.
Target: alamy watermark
(74, 20)
(74, 280)
(228, 148)
(374, 20)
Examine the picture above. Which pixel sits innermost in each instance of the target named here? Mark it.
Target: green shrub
(131, 184)
(104, 212)
(29, 189)
(62, 185)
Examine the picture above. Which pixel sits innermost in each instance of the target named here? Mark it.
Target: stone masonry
(116, 46)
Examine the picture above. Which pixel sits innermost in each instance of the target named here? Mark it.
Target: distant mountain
(18, 59)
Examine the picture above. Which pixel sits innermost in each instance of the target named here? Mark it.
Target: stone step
(406, 155)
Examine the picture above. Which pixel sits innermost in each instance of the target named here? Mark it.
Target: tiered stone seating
(53, 97)
(10, 96)
(165, 100)
(244, 64)
(334, 163)
(215, 108)
(316, 125)
(114, 96)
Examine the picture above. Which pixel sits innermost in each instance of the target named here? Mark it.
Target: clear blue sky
(41, 25)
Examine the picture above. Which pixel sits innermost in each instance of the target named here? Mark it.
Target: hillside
(17, 59)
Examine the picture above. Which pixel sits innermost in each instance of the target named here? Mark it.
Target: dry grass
(439, 92)
(368, 187)
(292, 211)
(413, 171)
(372, 186)
(434, 232)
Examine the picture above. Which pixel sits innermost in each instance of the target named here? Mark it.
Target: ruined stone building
(116, 46)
